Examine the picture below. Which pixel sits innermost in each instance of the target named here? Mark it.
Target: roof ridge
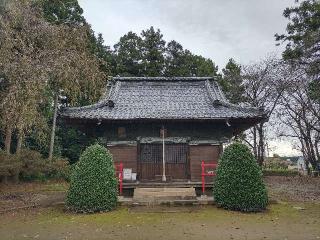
(220, 92)
(163, 78)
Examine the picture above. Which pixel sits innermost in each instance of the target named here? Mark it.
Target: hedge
(280, 172)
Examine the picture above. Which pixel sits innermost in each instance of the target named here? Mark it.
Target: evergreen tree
(231, 82)
(63, 12)
(128, 55)
(175, 61)
(153, 49)
(200, 66)
(303, 39)
(149, 55)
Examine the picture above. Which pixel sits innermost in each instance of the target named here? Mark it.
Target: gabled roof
(163, 98)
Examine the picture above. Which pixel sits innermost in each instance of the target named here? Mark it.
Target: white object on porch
(127, 174)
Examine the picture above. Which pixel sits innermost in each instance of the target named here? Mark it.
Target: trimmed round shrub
(93, 184)
(238, 184)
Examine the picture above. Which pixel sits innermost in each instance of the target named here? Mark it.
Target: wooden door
(150, 161)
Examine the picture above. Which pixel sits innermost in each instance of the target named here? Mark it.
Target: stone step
(163, 194)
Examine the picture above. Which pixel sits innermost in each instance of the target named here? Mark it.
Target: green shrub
(275, 163)
(10, 165)
(280, 172)
(238, 184)
(93, 185)
(59, 168)
(33, 165)
(29, 165)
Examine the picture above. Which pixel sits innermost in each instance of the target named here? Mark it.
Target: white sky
(217, 29)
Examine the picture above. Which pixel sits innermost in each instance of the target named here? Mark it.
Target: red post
(202, 177)
(120, 177)
(204, 174)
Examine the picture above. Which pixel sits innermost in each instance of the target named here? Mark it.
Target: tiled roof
(179, 98)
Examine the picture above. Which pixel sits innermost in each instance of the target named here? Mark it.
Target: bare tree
(300, 116)
(264, 84)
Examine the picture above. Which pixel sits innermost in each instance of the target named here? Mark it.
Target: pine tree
(153, 49)
(128, 55)
(231, 82)
(303, 40)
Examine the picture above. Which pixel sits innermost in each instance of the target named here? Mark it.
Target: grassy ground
(280, 221)
(296, 215)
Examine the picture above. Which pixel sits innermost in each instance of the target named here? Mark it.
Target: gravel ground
(297, 189)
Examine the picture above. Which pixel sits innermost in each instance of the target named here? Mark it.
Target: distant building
(301, 165)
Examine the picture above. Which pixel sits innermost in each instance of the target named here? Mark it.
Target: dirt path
(298, 189)
(26, 195)
(281, 221)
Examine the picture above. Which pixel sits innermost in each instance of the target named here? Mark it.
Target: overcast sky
(218, 29)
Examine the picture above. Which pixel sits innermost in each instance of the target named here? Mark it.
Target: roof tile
(163, 98)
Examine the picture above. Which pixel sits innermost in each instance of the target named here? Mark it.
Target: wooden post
(202, 177)
(164, 179)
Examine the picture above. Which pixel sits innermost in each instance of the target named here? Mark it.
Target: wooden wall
(207, 153)
(126, 154)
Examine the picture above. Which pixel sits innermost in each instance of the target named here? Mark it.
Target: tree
(149, 55)
(23, 37)
(299, 109)
(63, 12)
(200, 66)
(303, 37)
(232, 83)
(264, 83)
(300, 118)
(175, 60)
(104, 54)
(87, 50)
(128, 55)
(75, 71)
(153, 49)
(38, 57)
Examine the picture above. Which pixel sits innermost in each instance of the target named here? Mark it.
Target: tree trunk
(7, 143)
(18, 151)
(54, 123)
(261, 144)
(255, 142)
(7, 147)
(316, 147)
(19, 141)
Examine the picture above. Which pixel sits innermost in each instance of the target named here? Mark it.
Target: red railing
(204, 174)
(119, 175)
